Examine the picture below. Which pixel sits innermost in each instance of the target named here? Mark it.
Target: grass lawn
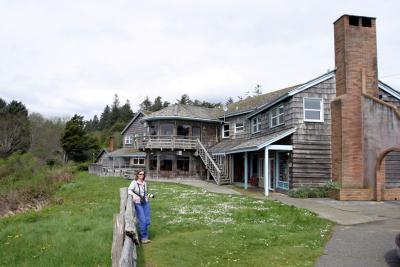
(190, 227)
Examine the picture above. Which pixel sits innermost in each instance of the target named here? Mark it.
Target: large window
(313, 109)
(128, 139)
(196, 131)
(166, 162)
(276, 116)
(182, 163)
(183, 130)
(256, 124)
(153, 163)
(166, 129)
(225, 131)
(239, 127)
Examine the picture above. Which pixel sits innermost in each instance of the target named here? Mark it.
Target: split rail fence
(125, 235)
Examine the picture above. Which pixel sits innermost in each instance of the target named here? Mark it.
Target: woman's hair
(137, 174)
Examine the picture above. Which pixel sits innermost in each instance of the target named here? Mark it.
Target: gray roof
(251, 103)
(133, 119)
(126, 152)
(253, 144)
(186, 112)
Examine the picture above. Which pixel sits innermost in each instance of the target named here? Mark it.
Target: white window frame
(239, 129)
(257, 124)
(223, 131)
(138, 160)
(277, 116)
(128, 140)
(321, 110)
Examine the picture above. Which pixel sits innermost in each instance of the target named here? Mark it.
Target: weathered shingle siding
(312, 140)
(136, 128)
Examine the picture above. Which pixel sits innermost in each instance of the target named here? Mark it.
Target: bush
(313, 192)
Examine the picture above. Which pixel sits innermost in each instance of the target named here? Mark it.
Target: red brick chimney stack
(111, 144)
(356, 73)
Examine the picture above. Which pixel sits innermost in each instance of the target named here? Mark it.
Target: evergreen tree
(105, 118)
(125, 113)
(146, 104)
(229, 101)
(114, 116)
(14, 128)
(158, 104)
(185, 100)
(77, 144)
(166, 104)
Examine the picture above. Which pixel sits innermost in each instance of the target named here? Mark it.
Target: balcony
(169, 142)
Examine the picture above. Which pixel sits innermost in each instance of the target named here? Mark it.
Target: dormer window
(128, 140)
(239, 127)
(225, 131)
(313, 109)
(256, 124)
(276, 116)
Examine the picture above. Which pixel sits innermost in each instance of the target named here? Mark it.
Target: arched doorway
(388, 175)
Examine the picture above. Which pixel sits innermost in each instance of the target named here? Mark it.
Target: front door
(271, 174)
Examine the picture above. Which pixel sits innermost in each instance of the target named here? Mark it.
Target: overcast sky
(65, 57)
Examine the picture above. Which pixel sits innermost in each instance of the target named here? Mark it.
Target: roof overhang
(155, 118)
(236, 113)
(389, 89)
(263, 145)
(131, 121)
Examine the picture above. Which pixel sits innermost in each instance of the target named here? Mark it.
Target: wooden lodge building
(305, 135)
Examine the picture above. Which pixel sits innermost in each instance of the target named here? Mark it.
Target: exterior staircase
(216, 170)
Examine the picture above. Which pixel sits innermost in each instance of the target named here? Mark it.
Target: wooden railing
(210, 164)
(169, 142)
(125, 235)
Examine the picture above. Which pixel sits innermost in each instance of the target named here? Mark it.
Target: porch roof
(126, 152)
(254, 144)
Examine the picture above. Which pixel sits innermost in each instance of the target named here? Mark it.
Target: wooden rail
(169, 142)
(125, 235)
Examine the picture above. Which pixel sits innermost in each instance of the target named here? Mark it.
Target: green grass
(190, 227)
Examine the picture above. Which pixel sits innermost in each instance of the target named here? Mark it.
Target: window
(152, 130)
(225, 131)
(167, 129)
(256, 124)
(276, 116)
(183, 130)
(313, 109)
(239, 127)
(196, 131)
(137, 161)
(153, 163)
(166, 162)
(128, 139)
(182, 163)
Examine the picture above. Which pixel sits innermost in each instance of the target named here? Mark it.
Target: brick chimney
(356, 73)
(111, 144)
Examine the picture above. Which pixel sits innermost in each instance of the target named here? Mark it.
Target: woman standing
(138, 190)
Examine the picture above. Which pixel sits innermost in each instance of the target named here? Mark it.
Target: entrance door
(272, 174)
(239, 168)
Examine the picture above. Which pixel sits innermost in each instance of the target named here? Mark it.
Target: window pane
(167, 129)
(281, 110)
(312, 103)
(312, 115)
(182, 163)
(183, 130)
(280, 119)
(166, 162)
(196, 131)
(141, 161)
(153, 163)
(274, 122)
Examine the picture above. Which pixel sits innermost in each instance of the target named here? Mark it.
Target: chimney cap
(348, 15)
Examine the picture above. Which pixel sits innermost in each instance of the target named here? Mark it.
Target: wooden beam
(123, 193)
(130, 221)
(118, 239)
